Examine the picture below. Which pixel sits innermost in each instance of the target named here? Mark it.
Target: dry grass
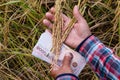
(21, 26)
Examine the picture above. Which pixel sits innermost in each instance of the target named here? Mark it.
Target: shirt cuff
(89, 46)
(77, 49)
(67, 76)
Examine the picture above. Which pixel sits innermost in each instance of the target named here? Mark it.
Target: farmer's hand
(65, 68)
(80, 29)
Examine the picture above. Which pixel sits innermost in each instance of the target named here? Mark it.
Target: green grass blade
(10, 2)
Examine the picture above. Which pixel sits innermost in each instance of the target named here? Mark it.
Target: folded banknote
(42, 50)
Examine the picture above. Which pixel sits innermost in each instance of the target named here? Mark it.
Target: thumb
(76, 13)
(67, 60)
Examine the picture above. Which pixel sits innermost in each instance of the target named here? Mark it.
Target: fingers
(67, 60)
(47, 23)
(65, 18)
(77, 14)
(55, 67)
(49, 16)
(54, 70)
(52, 10)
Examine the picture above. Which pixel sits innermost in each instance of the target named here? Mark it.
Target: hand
(65, 68)
(80, 29)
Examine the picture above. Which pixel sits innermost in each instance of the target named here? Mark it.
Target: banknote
(42, 50)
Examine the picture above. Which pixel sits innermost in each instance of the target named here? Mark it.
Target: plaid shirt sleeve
(67, 76)
(101, 59)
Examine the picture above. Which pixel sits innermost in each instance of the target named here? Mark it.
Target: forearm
(101, 59)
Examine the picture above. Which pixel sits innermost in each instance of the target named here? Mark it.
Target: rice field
(21, 25)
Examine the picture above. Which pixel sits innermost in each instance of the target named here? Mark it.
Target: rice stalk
(117, 16)
(73, 21)
(57, 30)
(58, 39)
(116, 22)
(6, 28)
